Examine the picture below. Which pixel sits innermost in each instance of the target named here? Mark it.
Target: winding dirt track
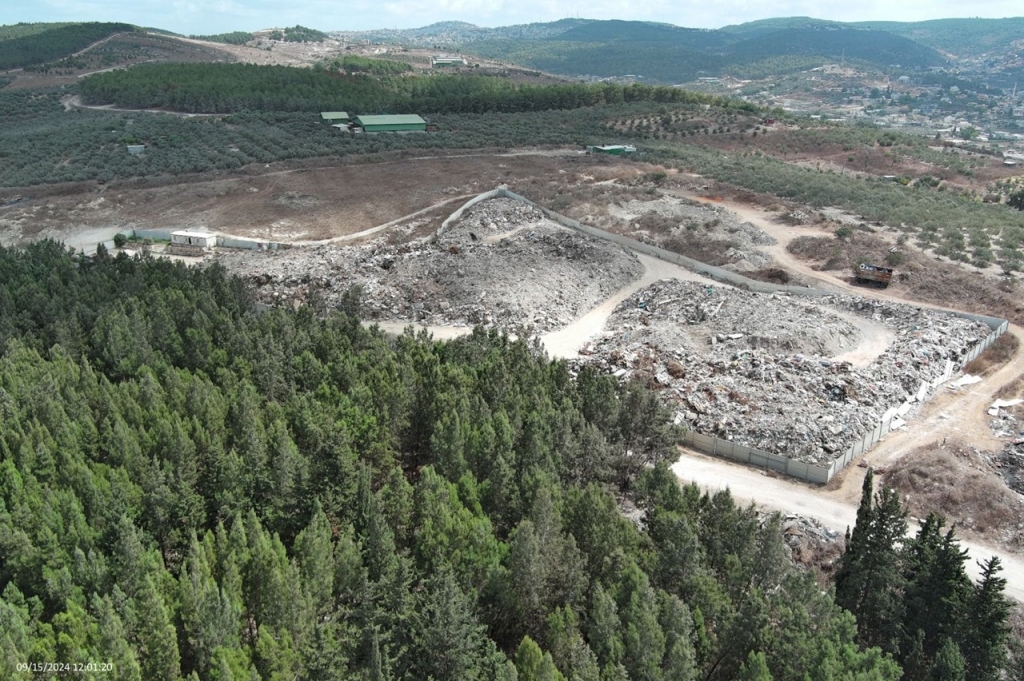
(950, 413)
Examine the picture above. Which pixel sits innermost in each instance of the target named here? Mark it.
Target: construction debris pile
(705, 232)
(1010, 465)
(503, 263)
(759, 369)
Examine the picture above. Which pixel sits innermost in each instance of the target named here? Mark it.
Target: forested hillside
(960, 37)
(21, 30)
(671, 54)
(190, 489)
(54, 43)
(232, 38)
(223, 88)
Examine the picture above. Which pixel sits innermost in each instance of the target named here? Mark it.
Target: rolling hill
(32, 48)
(960, 37)
(667, 53)
(670, 54)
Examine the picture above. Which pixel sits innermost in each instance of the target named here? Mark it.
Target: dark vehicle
(873, 274)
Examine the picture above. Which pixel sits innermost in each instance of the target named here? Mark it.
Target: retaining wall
(155, 234)
(818, 473)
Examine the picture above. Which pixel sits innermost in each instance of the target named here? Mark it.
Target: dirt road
(751, 485)
(949, 414)
(567, 342)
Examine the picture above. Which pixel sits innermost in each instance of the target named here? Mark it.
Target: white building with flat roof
(190, 238)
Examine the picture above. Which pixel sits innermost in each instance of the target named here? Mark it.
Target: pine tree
(984, 625)
(936, 590)
(755, 668)
(948, 664)
(869, 582)
(449, 642)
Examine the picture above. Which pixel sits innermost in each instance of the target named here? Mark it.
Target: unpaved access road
(567, 341)
(751, 485)
(949, 414)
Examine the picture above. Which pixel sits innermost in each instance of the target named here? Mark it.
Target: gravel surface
(502, 264)
(707, 233)
(760, 369)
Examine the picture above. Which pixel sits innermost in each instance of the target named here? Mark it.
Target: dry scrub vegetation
(999, 353)
(920, 277)
(957, 481)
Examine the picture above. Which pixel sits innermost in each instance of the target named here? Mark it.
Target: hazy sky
(215, 16)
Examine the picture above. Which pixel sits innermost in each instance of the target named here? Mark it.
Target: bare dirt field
(281, 202)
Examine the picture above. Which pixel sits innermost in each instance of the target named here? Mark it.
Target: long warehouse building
(391, 123)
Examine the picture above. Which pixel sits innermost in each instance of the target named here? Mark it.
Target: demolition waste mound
(761, 369)
(503, 264)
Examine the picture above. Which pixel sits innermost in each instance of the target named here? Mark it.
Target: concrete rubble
(1009, 463)
(502, 264)
(758, 369)
(708, 233)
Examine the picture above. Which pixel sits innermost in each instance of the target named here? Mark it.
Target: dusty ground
(283, 202)
(963, 482)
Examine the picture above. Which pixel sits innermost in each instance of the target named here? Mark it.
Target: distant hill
(21, 30)
(51, 44)
(753, 29)
(667, 53)
(837, 41)
(671, 54)
(960, 37)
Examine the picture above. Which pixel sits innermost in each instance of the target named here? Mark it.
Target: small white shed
(197, 239)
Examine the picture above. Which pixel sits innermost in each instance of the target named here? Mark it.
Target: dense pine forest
(224, 88)
(912, 597)
(53, 43)
(190, 489)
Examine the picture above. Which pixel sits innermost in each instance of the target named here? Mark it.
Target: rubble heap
(756, 368)
(1010, 464)
(502, 264)
(738, 243)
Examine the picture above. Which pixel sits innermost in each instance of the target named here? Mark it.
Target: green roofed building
(334, 117)
(389, 123)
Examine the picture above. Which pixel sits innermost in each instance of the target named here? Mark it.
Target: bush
(894, 258)
(120, 240)
(844, 233)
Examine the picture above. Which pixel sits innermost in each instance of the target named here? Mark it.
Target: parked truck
(873, 274)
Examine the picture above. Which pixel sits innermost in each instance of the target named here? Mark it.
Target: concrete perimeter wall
(819, 473)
